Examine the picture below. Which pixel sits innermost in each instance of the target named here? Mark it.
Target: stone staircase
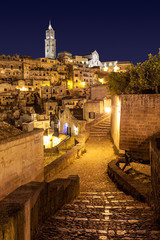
(101, 128)
(101, 215)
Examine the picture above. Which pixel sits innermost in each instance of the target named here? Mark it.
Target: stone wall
(155, 175)
(99, 92)
(21, 161)
(139, 120)
(25, 209)
(63, 161)
(96, 107)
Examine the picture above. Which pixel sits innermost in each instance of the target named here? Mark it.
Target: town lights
(70, 84)
(116, 69)
(107, 109)
(22, 89)
(105, 69)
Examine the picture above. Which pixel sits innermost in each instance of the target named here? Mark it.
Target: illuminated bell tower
(50, 43)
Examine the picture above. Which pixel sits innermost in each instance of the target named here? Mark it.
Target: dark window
(91, 115)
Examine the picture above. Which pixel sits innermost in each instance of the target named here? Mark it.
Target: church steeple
(50, 43)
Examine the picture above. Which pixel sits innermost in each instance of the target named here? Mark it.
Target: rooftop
(7, 130)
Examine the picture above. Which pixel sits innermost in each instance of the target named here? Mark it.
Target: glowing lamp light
(56, 141)
(83, 83)
(22, 89)
(116, 68)
(70, 84)
(105, 69)
(76, 130)
(101, 80)
(107, 109)
(47, 141)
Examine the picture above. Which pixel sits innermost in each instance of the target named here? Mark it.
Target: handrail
(101, 118)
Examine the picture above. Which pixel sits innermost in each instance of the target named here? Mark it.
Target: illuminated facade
(116, 66)
(50, 43)
(93, 59)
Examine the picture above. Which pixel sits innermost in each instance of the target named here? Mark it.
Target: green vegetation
(141, 78)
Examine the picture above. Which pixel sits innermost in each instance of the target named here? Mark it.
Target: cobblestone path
(101, 211)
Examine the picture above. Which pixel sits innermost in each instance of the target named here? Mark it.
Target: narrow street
(101, 211)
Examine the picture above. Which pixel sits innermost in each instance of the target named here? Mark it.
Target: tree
(118, 83)
(137, 79)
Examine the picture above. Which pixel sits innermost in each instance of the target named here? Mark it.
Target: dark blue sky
(118, 30)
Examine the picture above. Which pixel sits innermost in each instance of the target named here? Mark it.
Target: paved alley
(101, 211)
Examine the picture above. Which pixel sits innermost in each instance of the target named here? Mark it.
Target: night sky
(118, 30)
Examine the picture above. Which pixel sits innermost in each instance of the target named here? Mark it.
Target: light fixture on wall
(76, 130)
(107, 109)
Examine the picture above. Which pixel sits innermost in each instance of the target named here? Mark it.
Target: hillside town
(44, 92)
(79, 147)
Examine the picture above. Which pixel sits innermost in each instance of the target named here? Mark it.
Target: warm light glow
(76, 130)
(70, 84)
(51, 141)
(83, 83)
(107, 109)
(47, 141)
(101, 80)
(56, 141)
(22, 89)
(116, 69)
(105, 69)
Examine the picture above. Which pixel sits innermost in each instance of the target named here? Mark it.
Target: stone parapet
(129, 185)
(24, 210)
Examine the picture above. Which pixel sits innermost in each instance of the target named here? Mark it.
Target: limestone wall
(140, 119)
(21, 161)
(135, 119)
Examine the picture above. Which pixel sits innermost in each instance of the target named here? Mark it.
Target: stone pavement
(101, 211)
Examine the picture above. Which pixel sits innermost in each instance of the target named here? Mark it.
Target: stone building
(116, 66)
(10, 68)
(21, 158)
(93, 109)
(93, 59)
(82, 77)
(71, 121)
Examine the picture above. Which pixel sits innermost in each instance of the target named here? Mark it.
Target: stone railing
(25, 209)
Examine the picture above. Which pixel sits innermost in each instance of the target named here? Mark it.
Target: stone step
(101, 126)
(101, 215)
(98, 135)
(100, 130)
